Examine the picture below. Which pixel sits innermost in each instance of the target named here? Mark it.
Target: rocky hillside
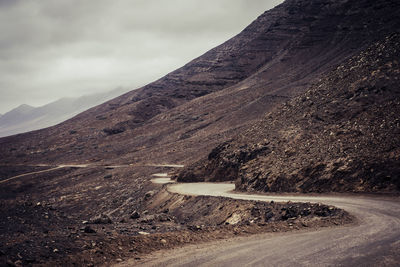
(341, 135)
(184, 114)
(328, 60)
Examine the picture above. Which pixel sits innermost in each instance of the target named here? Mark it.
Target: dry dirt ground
(98, 216)
(372, 241)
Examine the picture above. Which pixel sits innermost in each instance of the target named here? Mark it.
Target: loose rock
(135, 215)
(89, 230)
(101, 219)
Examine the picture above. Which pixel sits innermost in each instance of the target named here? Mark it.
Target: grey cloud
(51, 49)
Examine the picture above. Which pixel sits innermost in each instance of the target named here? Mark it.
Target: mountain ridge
(277, 57)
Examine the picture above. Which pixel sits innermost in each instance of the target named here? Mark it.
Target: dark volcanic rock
(149, 194)
(89, 230)
(135, 215)
(114, 130)
(342, 135)
(203, 212)
(220, 166)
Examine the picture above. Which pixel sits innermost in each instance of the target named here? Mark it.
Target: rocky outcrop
(220, 166)
(341, 135)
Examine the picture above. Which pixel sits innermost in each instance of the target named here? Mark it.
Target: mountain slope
(329, 136)
(26, 118)
(342, 135)
(184, 114)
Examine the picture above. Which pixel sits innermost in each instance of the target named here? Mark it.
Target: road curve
(373, 241)
(86, 166)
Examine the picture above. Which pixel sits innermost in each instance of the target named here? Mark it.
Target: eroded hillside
(341, 135)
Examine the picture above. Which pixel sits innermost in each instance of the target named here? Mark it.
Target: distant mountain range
(26, 118)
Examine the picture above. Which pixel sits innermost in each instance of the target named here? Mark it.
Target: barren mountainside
(305, 99)
(341, 135)
(180, 117)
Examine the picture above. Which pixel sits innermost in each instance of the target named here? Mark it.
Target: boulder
(135, 215)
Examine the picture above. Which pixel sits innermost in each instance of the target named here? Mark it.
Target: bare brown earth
(45, 223)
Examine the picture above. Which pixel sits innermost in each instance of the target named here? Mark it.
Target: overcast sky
(52, 49)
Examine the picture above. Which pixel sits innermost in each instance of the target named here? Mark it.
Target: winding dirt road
(373, 241)
(42, 171)
(84, 166)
